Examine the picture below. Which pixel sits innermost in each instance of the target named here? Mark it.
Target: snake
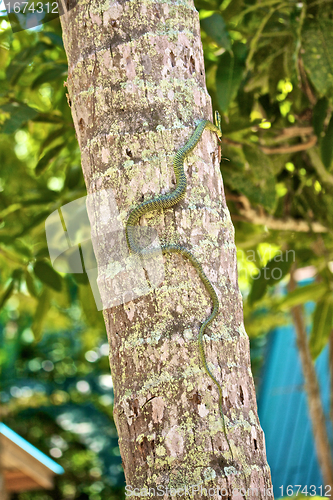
(166, 201)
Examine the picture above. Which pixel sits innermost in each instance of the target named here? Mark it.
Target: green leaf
(42, 252)
(73, 177)
(317, 50)
(239, 124)
(319, 115)
(303, 294)
(21, 61)
(17, 277)
(55, 39)
(7, 239)
(19, 114)
(15, 70)
(272, 273)
(216, 28)
(50, 75)
(81, 278)
(22, 248)
(35, 220)
(229, 76)
(245, 101)
(47, 158)
(46, 274)
(93, 317)
(59, 132)
(327, 145)
(322, 325)
(254, 178)
(40, 314)
(7, 293)
(48, 118)
(30, 283)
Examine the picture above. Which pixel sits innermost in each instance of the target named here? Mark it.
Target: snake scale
(167, 201)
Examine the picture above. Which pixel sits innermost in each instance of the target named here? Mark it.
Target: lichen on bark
(137, 89)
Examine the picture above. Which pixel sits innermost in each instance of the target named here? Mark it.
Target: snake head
(218, 124)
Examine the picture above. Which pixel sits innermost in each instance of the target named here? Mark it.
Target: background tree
(276, 58)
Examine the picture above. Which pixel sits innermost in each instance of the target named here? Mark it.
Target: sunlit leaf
(216, 28)
(317, 52)
(55, 134)
(19, 114)
(44, 162)
(50, 75)
(322, 325)
(7, 293)
(229, 76)
(270, 274)
(303, 294)
(35, 220)
(22, 60)
(91, 313)
(40, 314)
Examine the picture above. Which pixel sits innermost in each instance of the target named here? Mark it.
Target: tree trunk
(313, 393)
(136, 87)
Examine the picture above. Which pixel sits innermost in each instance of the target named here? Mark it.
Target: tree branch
(290, 132)
(319, 167)
(248, 214)
(313, 392)
(290, 149)
(305, 83)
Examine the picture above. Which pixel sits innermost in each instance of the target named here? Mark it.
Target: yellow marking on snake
(167, 201)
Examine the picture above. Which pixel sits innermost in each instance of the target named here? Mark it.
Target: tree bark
(136, 87)
(313, 393)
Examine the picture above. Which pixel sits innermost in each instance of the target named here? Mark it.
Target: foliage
(56, 388)
(269, 70)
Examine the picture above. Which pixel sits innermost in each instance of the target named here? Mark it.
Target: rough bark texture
(313, 394)
(136, 85)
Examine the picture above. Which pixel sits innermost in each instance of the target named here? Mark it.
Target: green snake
(167, 201)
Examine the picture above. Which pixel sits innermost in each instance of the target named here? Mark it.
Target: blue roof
(284, 413)
(29, 448)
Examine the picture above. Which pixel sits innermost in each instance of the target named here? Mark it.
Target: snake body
(167, 201)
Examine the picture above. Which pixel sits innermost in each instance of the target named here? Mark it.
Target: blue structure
(284, 414)
(29, 448)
